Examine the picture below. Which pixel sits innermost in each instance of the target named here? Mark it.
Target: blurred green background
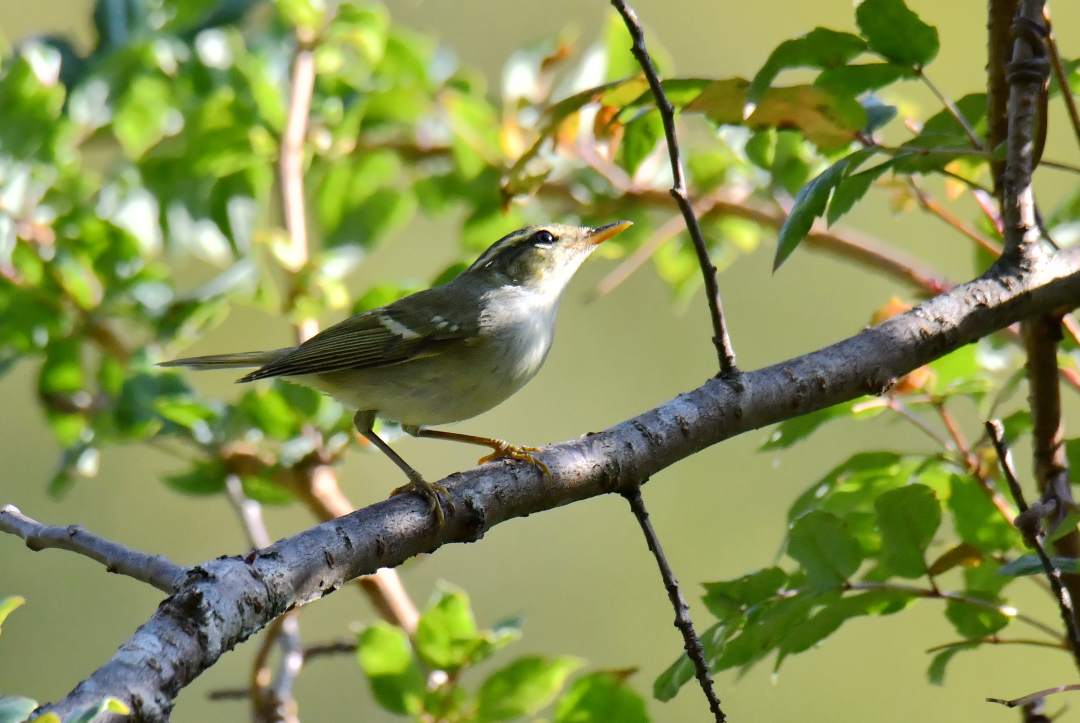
(581, 577)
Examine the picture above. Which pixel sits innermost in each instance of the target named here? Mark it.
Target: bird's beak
(599, 234)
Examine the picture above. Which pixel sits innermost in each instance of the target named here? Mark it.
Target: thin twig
(933, 594)
(905, 412)
(691, 641)
(931, 205)
(721, 339)
(1053, 575)
(1059, 73)
(954, 111)
(994, 640)
(308, 652)
(971, 463)
(156, 570)
(1032, 697)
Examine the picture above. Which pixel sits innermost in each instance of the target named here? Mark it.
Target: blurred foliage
(138, 206)
(448, 640)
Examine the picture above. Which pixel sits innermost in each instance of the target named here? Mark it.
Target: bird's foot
(505, 450)
(432, 492)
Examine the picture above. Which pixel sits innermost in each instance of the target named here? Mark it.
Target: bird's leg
(500, 448)
(430, 491)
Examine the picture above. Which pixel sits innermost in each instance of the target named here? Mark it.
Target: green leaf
(829, 618)
(853, 80)
(830, 122)
(1032, 565)
(143, 114)
(267, 409)
(809, 204)
(767, 625)
(936, 672)
(851, 190)
(958, 372)
(640, 137)
(976, 519)
(1072, 452)
(385, 656)
(908, 518)
(820, 48)
(896, 33)
(822, 544)
(794, 430)
(8, 605)
(729, 598)
(523, 687)
(600, 698)
(15, 709)
(942, 131)
(854, 484)
(265, 490)
(62, 371)
(446, 635)
(305, 14)
(204, 478)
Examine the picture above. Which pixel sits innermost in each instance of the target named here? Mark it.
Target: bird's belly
(445, 388)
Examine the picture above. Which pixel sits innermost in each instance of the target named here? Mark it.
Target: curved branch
(224, 601)
(156, 570)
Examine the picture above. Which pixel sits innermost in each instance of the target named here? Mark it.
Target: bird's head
(542, 258)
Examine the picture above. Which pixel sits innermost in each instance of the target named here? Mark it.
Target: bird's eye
(543, 238)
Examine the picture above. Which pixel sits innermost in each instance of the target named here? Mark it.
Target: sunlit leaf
(600, 698)
(386, 658)
(447, 636)
(523, 687)
(8, 605)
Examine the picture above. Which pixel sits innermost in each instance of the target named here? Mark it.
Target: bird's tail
(236, 360)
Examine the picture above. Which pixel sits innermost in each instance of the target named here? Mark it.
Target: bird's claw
(432, 492)
(505, 450)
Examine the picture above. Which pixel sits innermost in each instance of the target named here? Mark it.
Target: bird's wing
(388, 335)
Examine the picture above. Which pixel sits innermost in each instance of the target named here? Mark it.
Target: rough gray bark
(156, 570)
(224, 601)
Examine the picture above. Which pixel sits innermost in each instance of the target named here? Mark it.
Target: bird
(444, 354)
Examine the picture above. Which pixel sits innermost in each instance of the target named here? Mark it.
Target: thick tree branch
(224, 601)
(691, 642)
(721, 339)
(1026, 73)
(1000, 15)
(156, 570)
